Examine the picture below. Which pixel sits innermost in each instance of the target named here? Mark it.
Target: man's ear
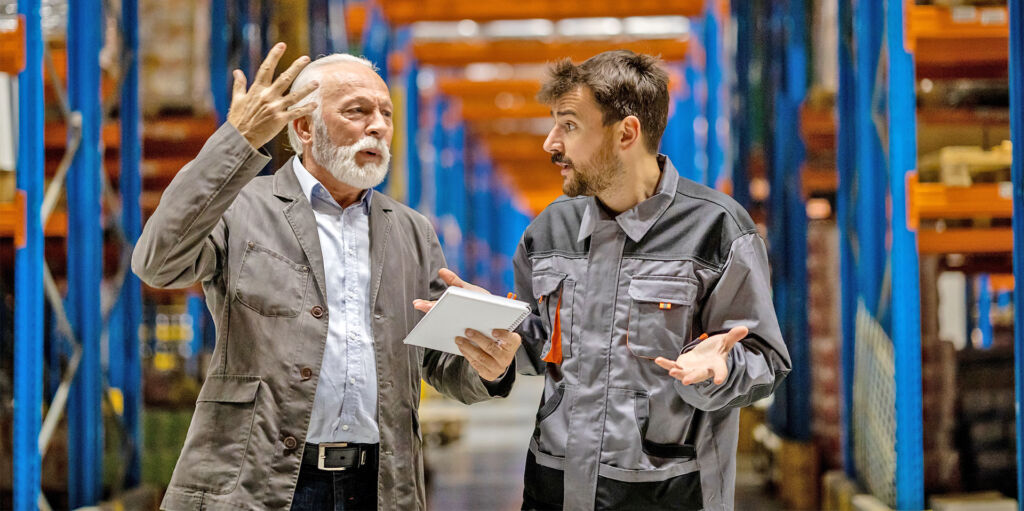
(304, 129)
(630, 134)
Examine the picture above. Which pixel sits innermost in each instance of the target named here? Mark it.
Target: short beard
(340, 161)
(593, 177)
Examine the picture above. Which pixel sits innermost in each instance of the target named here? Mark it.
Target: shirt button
(351, 380)
(317, 311)
(307, 373)
(377, 316)
(388, 453)
(345, 427)
(250, 244)
(290, 442)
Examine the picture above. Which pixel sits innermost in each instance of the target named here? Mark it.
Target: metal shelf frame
(1016, 69)
(28, 268)
(80, 316)
(876, 160)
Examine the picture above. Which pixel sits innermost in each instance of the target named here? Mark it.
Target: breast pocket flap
(662, 290)
(229, 389)
(545, 284)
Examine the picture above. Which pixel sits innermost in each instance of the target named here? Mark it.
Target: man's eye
(569, 126)
(386, 113)
(356, 110)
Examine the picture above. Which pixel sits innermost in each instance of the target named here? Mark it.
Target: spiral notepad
(458, 310)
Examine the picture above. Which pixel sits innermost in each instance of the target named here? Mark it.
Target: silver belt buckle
(322, 456)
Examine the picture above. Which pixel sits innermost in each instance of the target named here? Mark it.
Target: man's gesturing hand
(706, 360)
(260, 113)
(490, 357)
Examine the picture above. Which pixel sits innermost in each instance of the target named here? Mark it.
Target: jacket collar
(638, 220)
(314, 191)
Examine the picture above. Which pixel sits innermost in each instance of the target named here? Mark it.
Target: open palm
(707, 360)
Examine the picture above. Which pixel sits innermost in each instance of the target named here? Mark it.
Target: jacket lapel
(380, 231)
(300, 216)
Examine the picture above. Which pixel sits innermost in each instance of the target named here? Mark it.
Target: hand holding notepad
(462, 322)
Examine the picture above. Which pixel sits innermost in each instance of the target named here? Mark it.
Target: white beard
(340, 161)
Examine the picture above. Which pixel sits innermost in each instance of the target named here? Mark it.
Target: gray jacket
(253, 244)
(614, 430)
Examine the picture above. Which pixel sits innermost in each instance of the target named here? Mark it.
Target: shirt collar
(637, 221)
(315, 192)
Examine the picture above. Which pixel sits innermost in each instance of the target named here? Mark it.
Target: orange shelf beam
(530, 51)
(965, 241)
(12, 222)
(469, 88)
(12, 46)
(954, 41)
(936, 200)
(400, 12)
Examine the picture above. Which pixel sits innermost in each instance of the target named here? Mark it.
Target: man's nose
(377, 125)
(553, 144)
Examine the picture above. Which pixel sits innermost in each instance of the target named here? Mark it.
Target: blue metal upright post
(713, 67)
(740, 123)
(845, 201)
(131, 221)
(791, 413)
(906, 298)
(1017, 171)
(85, 245)
(220, 34)
(871, 189)
(28, 269)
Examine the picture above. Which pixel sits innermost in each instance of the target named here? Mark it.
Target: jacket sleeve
(742, 297)
(184, 240)
(450, 374)
(532, 331)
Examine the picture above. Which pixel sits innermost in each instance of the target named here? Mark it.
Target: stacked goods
(966, 165)
(173, 46)
(987, 418)
(938, 388)
(823, 322)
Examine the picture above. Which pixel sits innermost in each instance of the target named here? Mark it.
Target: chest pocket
(548, 290)
(270, 283)
(660, 313)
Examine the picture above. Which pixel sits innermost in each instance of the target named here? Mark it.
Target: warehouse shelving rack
(82, 323)
(916, 40)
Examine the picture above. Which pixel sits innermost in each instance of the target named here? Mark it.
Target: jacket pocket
(218, 438)
(625, 445)
(270, 283)
(555, 292)
(660, 315)
(553, 422)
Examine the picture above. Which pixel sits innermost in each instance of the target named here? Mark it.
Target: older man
(311, 400)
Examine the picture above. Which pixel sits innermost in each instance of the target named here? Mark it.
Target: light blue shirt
(345, 406)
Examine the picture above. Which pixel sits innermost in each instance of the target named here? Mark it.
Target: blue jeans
(347, 490)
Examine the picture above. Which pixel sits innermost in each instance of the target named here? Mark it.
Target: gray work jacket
(253, 243)
(614, 430)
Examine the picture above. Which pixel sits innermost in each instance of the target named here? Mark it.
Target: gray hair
(312, 71)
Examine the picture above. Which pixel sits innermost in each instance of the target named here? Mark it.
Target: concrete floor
(483, 470)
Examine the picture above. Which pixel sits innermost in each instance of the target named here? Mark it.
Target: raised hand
(260, 113)
(706, 360)
(451, 279)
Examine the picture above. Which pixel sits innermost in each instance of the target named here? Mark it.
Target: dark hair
(624, 83)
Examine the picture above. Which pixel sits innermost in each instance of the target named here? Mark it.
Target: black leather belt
(338, 456)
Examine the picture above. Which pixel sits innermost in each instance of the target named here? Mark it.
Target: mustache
(373, 143)
(557, 158)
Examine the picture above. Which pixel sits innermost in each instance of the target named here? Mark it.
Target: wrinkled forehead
(343, 80)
